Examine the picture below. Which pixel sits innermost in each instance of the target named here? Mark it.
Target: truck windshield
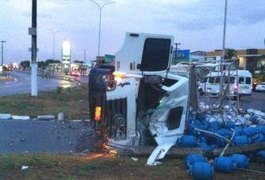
(156, 54)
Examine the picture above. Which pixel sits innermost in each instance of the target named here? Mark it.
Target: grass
(92, 166)
(72, 101)
(100, 166)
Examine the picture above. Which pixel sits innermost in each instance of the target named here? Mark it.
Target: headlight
(109, 81)
(104, 78)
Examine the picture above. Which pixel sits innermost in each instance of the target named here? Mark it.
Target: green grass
(15, 162)
(92, 166)
(72, 101)
(100, 166)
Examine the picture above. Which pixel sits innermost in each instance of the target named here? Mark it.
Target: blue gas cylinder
(207, 148)
(187, 141)
(238, 131)
(224, 132)
(261, 129)
(224, 164)
(250, 131)
(215, 125)
(191, 159)
(254, 118)
(241, 140)
(202, 171)
(241, 160)
(230, 124)
(258, 138)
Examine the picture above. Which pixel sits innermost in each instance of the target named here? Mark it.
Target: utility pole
(176, 53)
(33, 33)
(2, 52)
(221, 87)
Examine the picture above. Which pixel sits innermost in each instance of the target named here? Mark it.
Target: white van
(240, 83)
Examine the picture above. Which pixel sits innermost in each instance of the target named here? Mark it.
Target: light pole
(221, 87)
(99, 27)
(224, 32)
(53, 41)
(2, 52)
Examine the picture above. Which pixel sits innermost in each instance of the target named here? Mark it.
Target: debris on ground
(210, 131)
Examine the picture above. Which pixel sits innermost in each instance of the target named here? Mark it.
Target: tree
(41, 64)
(261, 76)
(50, 61)
(230, 53)
(79, 62)
(25, 64)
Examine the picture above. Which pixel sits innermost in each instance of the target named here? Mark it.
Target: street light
(99, 28)
(53, 41)
(2, 52)
(224, 31)
(221, 86)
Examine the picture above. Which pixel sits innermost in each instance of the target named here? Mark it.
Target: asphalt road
(255, 101)
(19, 136)
(22, 84)
(23, 136)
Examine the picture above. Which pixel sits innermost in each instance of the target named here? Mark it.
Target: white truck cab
(149, 53)
(139, 102)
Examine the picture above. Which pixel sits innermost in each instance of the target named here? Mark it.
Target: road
(255, 101)
(22, 84)
(18, 136)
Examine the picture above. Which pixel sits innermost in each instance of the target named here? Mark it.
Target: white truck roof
(135, 55)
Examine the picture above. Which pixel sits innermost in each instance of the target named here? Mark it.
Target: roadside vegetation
(99, 166)
(72, 101)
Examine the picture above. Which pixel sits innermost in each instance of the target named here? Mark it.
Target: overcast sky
(196, 24)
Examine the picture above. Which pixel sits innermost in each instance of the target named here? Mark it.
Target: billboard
(66, 52)
(183, 54)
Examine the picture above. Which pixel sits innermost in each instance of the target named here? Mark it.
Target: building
(248, 59)
(214, 56)
(251, 59)
(198, 56)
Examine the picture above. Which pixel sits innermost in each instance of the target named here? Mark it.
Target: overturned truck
(138, 101)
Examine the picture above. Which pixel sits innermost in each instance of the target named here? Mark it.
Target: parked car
(260, 86)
